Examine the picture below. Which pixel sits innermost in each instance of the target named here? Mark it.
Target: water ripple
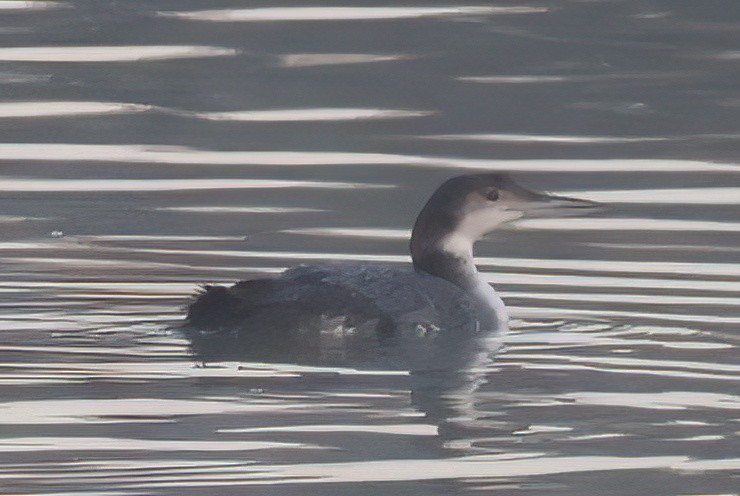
(102, 185)
(65, 443)
(274, 14)
(192, 156)
(394, 429)
(238, 210)
(307, 114)
(449, 468)
(539, 138)
(634, 224)
(98, 53)
(694, 196)
(31, 5)
(186, 155)
(322, 59)
(671, 400)
(58, 109)
(575, 78)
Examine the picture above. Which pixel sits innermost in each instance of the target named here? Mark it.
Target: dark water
(173, 146)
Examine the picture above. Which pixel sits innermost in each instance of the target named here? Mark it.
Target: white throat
(473, 227)
(476, 224)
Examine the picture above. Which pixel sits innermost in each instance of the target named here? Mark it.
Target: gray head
(466, 208)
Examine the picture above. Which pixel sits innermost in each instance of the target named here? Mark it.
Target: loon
(341, 312)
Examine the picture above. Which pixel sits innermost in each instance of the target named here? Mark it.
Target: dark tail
(214, 306)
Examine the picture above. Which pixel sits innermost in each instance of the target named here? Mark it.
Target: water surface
(147, 147)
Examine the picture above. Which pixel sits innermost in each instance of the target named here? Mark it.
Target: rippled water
(175, 143)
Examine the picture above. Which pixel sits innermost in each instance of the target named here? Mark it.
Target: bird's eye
(492, 195)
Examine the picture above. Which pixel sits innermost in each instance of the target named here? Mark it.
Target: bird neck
(449, 255)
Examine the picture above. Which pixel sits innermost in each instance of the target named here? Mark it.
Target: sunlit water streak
(573, 78)
(186, 155)
(80, 108)
(11, 5)
(167, 473)
(727, 55)
(629, 298)
(576, 139)
(664, 247)
(17, 78)
(59, 109)
(98, 53)
(425, 470)
(630, 225)
(239, 210)
(323, 59)
(192, 156)
(628, 338)
(680, 196)
(674, 400)
(26, 444)
(615, 224)
(100, 185)
(576, 313)
(149, 237)
(539, 138)
(102, 411)
(396, 429)
(7, 219)
(331, 13)
(308, 114)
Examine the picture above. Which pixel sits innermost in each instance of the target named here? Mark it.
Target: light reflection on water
(323, 59)
(271, 136)
(275, 14)
(30, 4)
(85, 54)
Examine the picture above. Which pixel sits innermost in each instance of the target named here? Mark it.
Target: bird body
(330, 314)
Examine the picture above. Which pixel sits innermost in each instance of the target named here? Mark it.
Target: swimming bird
(341, 312)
